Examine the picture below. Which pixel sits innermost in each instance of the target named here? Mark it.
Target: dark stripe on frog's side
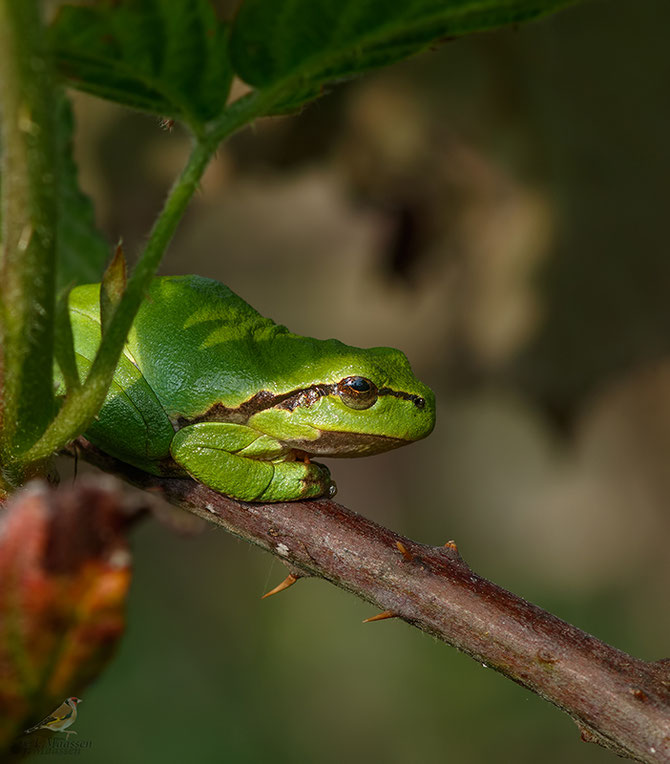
(417, 400)
(263, 400)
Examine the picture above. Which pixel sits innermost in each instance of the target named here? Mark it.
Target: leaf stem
(80, 406)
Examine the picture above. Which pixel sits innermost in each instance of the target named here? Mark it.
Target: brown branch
(618, 701)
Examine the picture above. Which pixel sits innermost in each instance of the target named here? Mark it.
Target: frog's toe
(317, 482)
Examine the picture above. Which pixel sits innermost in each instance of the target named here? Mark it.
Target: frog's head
(352, 401)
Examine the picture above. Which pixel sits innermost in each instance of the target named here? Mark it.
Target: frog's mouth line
(301, 398)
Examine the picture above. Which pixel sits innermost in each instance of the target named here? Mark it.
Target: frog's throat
(302, 398)
(336, 444)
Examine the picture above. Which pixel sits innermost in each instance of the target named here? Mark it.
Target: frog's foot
(204, 450)
(297, 480)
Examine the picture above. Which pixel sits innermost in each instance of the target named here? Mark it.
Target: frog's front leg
(238, 461)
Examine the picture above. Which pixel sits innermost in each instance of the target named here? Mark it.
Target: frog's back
(197, 343)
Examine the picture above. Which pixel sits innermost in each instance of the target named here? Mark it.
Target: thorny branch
(617, 701)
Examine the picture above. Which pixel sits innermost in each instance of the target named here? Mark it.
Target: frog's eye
(357, 392)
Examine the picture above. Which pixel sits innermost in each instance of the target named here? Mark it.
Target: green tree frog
(208, 387)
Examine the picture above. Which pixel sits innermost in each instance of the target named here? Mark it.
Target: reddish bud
(64, 576)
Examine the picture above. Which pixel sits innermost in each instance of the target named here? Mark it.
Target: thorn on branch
(586, 734)
(452, 550)
(406, 555)
(288, 581)
(381, 616)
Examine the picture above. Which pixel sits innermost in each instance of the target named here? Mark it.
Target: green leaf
(304, 44)
(295, 100)
(167, 57)
(81, 250)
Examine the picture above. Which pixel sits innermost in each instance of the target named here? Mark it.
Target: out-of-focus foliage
(64, 576)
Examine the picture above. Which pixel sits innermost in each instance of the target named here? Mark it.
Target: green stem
(28, 212)
(81, 406)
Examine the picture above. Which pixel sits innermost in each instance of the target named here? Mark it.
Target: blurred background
(498, 209)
